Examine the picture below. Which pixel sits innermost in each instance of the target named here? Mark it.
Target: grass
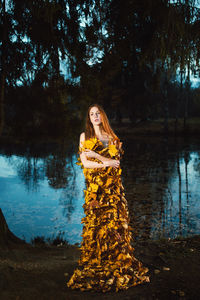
(41, 240)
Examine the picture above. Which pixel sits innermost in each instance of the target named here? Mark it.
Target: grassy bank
(156, 127)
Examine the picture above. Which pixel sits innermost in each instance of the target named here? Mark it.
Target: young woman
(107, 261)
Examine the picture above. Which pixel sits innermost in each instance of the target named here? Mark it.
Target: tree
(3, 63)
(7, 238)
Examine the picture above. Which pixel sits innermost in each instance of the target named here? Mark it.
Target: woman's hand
(90, 153)
(112, 163)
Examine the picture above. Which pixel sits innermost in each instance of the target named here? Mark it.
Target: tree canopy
(71, 53)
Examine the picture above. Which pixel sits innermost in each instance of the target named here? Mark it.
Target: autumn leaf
(112, 150)
(110, 281)
(113, 245)
(94, 261)
(101, 233)
(109, 181)
(93, 187)
(120, 281)
(90, 143)
(99, 181)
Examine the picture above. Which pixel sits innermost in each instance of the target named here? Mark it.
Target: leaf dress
(106, 261)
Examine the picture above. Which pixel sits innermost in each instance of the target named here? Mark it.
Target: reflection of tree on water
(161, 167)
(163, 175)
(57, 167)
(61, 175)
(154, 188)
(169, 220)
(71, 192)
(151, 173)
(197, 164)
(187, 159)
(136, 175)
(29, 170)
(179, 185)
(57, 172)
(179, 221)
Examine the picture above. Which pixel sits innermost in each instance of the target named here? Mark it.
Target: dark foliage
(134, 57)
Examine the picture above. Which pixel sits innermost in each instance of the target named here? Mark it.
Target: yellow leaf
(125, 225)
(90, 143)
(93, 196)
(88, 285)
(120, 281)
(93, 187)
(101, 233)
(104, 247)
(110, 281)
(114, 245)
(109, 181)
(77, 272)
(94, 261)
(99, 181)
(119, 171)
(112, 150)
(121, 256)
(114, 267)
(116, 273)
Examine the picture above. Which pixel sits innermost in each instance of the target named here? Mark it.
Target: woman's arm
(90, 153)
(106, 162)
(91, 164)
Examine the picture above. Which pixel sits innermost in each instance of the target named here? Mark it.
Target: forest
(137, 58)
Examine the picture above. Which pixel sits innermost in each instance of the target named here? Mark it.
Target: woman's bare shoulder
(82, 138)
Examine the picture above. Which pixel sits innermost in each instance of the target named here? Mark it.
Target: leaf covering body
(107, 261)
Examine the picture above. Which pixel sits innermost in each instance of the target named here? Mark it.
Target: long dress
(107, 261)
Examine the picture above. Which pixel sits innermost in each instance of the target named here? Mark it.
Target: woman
(107, 261)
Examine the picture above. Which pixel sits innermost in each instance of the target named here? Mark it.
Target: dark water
(41, 188)
(162, 178)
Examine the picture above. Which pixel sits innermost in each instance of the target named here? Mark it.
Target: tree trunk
(177, 112)
(2, 85)
(166, 114)
(187, 99)
(7, 238)
(176, 123)
(186, 110)
(166, 105)
(3, 75)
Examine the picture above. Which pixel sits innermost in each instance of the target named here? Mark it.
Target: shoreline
(145, 128)
(155, 128)
(42, 271)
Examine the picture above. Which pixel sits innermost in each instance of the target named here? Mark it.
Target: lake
(41, 188)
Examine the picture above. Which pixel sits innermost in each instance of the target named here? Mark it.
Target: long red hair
(105, 126)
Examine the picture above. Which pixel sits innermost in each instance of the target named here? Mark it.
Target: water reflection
(163, 189)
(42, 191)
(42, 196)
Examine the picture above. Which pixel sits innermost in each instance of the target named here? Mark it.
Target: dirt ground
(41, 272)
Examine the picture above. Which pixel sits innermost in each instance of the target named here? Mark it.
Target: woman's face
(95, 116)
